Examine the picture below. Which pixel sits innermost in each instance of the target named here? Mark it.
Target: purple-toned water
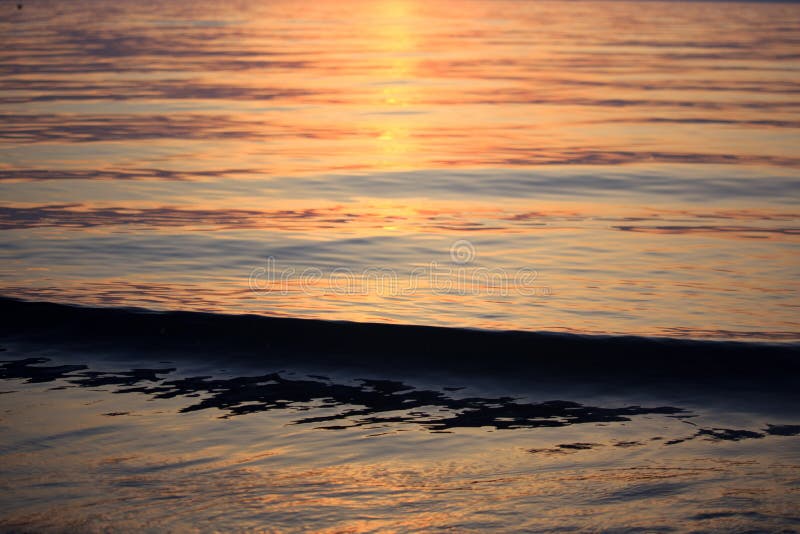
(583, 167)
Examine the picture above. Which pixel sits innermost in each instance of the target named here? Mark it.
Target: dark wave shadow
(387, 348)
(370, 402)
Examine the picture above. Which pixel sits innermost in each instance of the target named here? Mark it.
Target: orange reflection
(648, 174)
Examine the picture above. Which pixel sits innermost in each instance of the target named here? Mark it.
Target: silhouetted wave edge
(257, 337)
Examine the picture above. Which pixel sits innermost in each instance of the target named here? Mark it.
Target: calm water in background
(640, 158)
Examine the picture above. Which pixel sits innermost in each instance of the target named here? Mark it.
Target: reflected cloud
(72, 216)
(580, 156)
(706, 120)
(23, 175)
(707, 229)
(46, 128)
(373, 215)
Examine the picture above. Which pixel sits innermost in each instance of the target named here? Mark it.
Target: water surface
(638, 160)
(140, 421)
(582, 167)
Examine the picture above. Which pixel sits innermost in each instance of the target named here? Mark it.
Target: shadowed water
(140, 420)
(121, 436)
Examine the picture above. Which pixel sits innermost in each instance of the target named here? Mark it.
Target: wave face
(257, 339)
(586, 167)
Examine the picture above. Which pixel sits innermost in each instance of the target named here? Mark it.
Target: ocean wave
(391, 346)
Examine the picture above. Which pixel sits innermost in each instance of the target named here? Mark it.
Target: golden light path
(640, 157)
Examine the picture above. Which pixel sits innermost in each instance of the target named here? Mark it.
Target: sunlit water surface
(624, 167)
